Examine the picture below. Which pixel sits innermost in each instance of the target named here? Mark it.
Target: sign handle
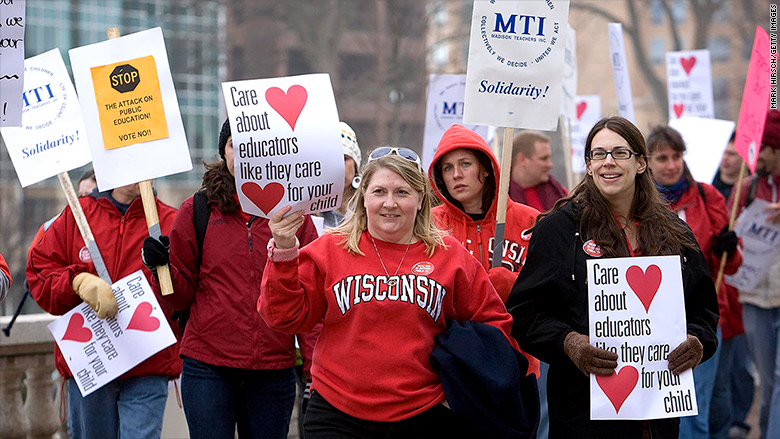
(732, 219)
(150, 210)
(565, 124)
(81, 221)
(503, 195)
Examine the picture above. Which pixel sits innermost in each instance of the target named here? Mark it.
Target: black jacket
(550, 299)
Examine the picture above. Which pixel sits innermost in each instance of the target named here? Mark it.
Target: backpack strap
(701, 192)
(752, 191)
(200, 221)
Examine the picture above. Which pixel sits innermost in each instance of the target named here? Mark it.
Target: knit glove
(155, 252)
(96, 293)
(726, 241)
(686, 356)
(589, 359)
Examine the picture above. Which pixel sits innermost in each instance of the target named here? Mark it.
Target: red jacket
(372, 360)
(4, 268)
(224, 328)
(61, 255)
(477, 236)
(706, 218)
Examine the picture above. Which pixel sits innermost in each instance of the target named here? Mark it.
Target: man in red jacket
(61, 275)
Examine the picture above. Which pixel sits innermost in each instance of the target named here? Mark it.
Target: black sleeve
(540, 323)
(701, 301)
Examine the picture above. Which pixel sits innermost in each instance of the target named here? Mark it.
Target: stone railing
(29, 385)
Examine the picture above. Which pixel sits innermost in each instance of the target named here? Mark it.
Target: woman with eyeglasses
(615, 211)
(384, 284)
(703, 208)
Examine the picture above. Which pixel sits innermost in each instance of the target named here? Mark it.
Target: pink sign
(755, 102)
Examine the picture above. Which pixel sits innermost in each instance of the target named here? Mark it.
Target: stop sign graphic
(125, 78)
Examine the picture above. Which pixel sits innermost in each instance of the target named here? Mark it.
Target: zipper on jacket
(249, 231)
(479, 244)
(122, 225)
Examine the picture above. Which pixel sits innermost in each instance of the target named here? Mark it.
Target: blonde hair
(356, 223)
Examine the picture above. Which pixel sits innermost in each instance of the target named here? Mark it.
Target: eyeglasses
(406, 153)
(617, 154)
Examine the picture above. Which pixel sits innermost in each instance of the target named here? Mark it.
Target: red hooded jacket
(4, 268)
(61, 255)
(477, 236)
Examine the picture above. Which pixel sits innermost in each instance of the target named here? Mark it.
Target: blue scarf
(673, 193)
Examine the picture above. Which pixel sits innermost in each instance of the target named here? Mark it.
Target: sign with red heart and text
(99, 350)
(637, 310)
(286, 143)
(689, 82)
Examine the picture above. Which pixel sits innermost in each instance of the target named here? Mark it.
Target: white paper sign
(637, 310)
(444, 108)
(587, 113)
(515, 65)
(760, 246)
(119, 126)
(689, 82)
(705, 140)
(12, 23)
(52, 138)
(97, 351)
(286, 143)
(569, 101)
(617, 55)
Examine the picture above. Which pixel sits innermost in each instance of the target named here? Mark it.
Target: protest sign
(760, 249)
(587, 113)
(444, 108)
(705, 141)
(52, 138)
(99, 350)
(617, 55)
(637, 310)
(130, 109)
(689, 84)
(12, 23)
(286, 143)
(755, 98)
(569, 100)
(515, 63)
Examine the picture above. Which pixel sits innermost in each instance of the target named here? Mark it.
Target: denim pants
(733, 393)
(698, 427)
(129, 408)
(218, 398)
(544, 417)
(761, 327)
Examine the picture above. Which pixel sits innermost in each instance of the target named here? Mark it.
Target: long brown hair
(660, 232)
(220, 186)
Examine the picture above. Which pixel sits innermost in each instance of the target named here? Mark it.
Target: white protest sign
(617, 55)
(515, 64)
(705, 141)
(689, 83)
(587, 113)
(52, 138)
(99, 350)
(760, 248)
(444, 108)
(569, 101)
(130, 109)
(12, 23)
(286, 143)
(637, 310)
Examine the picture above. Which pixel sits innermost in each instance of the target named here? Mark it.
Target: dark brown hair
(660, 232)
(220, 186)
(488, 186)
(662, 135)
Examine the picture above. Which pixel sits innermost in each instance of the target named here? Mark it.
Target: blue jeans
(544, 418)
(698, 427)
(218, 398)
(762, 327)
(733, 393)
(129, 408)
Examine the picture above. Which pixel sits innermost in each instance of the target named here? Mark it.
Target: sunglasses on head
(406, 153)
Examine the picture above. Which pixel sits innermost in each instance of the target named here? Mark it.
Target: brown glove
(686, 356)
(96, 293)
(589, 359)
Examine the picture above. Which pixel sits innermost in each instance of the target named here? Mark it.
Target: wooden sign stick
(732, 218)
(503, 196)
(150, 211)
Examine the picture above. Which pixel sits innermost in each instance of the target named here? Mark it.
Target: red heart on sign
(289, 105)
(644, 283)
(265, 199)
(678, 109)
(618, 386)
(581, 109)
(143, 320)
(687, 64)
(76, 330)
